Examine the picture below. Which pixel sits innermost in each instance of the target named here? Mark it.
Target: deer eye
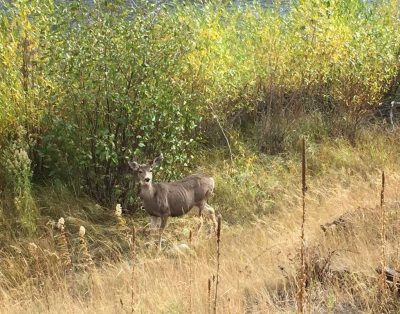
(140, 171)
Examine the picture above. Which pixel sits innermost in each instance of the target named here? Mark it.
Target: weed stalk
(85, 259)
(62, 246)
(383, 236)
(301, 293)
(209, 295)
(190, 275)
(218, 262)
(133, 256)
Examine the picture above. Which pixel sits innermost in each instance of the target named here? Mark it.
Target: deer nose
(147, 180)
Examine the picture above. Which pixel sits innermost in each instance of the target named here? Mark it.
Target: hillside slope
(259, 258)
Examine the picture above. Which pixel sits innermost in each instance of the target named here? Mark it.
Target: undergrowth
(224, 89)
(259, 200)
(137, 80)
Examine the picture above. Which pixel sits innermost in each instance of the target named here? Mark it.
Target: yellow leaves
(332, 43)
(230, 53)
(19, 42)
(209, 34)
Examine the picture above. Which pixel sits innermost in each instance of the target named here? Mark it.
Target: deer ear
(157, 160)
(133, 165)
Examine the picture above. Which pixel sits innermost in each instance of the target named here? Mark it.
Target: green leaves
(104, 82)
(113, 76)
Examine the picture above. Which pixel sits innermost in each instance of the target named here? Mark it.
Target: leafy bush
(337, 58)
(16, 172)
(97, 84)
(113, 71)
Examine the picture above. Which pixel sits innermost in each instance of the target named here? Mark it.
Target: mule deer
(162, 200)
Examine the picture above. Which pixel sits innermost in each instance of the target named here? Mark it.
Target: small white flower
(118, 210)
(82, 231)
(60, 224)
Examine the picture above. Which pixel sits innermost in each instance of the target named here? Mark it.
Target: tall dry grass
(260, 254)
(258, 266)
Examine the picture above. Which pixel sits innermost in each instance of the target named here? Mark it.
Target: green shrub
(97, 84)
(116, 95)
(16, 172)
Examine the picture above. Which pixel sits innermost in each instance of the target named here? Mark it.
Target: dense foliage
(84, 87)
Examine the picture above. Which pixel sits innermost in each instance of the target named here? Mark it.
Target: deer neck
(147, 191)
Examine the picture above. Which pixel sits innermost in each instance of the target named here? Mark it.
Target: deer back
(178, 197)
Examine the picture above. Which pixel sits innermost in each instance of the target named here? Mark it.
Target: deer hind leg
(200, 226)
(164, 220)
(209, 213)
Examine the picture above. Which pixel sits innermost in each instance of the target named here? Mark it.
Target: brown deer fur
(173, 199)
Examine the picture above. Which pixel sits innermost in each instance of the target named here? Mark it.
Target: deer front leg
(155, 223)
(164, 220)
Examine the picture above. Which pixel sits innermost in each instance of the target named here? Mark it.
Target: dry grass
(259, 259)
(257, 265)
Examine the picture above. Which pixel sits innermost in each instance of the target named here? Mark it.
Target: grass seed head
(60, 224)
(82, 231)
(118, 210)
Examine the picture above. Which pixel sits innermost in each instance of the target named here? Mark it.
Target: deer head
(144, 171)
